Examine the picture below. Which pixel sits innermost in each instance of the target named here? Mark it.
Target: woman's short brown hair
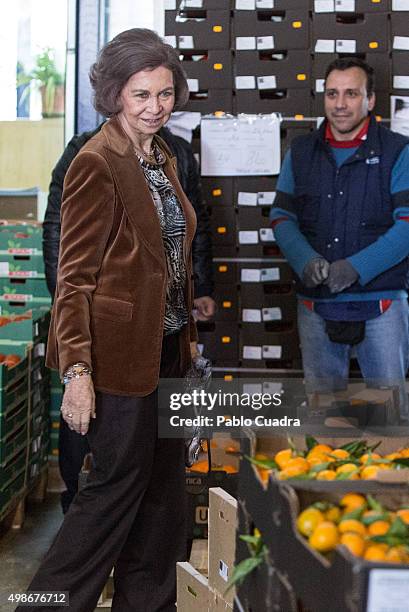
(130, 52)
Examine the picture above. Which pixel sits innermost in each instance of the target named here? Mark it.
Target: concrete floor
(22, 550)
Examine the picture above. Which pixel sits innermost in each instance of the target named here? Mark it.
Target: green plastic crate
(14, 489)
(23, 265)
(27, 287)
(10, 376)
(12, 419)
(17, 237)
(12, 468)
(13, 444)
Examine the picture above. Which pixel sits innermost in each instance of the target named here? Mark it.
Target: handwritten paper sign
(243, 145)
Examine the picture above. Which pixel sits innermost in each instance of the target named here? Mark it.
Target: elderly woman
(121, 320)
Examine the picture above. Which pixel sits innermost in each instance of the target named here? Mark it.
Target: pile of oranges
(353, 461)
(362, 524)
(9, 360)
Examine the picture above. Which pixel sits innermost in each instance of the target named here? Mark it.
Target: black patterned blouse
(172, 222)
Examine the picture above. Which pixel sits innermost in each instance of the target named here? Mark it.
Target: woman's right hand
(78, 405)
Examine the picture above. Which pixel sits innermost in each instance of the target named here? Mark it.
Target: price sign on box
(240, 146)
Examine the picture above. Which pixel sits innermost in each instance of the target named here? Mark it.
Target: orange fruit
(317, 459)
(352, 525)
(320, 449)
(12, 360)
(296, 466)
(369, 472)
(404, 452)
(326, 475)
(325, 537)
(292, 470)
(339, 453)
(348, 468)
(283, 457)
(392, 456)
(367, 456)
(376, 552)
(333, 514)
(378, 528)
(397, 554)
(352, 501)
(404, 515)
(354, 542)
(308, 520)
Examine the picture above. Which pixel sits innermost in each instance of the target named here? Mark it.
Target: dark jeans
(130, 514)
(72, 450)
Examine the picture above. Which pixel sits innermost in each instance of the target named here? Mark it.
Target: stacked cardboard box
(205, 590)
(200, 30)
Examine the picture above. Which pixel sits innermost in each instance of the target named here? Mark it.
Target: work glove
(315, 272)
(341, 275)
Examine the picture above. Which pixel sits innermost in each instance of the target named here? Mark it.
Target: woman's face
(147, 100)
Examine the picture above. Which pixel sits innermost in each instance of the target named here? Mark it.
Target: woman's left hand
(78, 405)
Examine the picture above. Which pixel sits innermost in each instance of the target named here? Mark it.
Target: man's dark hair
(354, 62)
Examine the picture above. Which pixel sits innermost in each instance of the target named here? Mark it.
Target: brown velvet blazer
(111, 288)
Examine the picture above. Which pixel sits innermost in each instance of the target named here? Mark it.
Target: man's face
(346, 102)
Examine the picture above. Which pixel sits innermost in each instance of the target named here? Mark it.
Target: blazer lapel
(133, 189)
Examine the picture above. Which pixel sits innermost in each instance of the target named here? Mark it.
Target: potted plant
(49, 81)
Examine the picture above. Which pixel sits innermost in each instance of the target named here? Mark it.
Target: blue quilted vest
(343, 210)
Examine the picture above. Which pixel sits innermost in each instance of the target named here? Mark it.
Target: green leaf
(358, 447)
(398, 529)
(320, 466)
(242, 570)
(368, 520)
(373, 504)
(374, 446)
(354, 514)
(323, 506)
(391, 540)
(345, 475)
(254, 540)
(310, 442)
(268, 464)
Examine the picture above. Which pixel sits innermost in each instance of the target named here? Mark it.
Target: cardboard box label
(248, 237)
(272, 351)
(249, 275)
(320, 85)
(401, 82)
(345, 6)
(246, 198)
(266, 198)
(251, 315)
(270, 274)
(267, 235)
(252, 388)
(267, 82)
(245, 43)
(265, 42)
(223, 570)
(272, 314)
(186, 42)
(265, 4)
(171, 40)
(245, 82)
(23, 273)
(272, 387)
(252, 352)
(193, 85)
(345, 46)
(325, 45)
(21, 251)
(388, 590)
(400, 5)
(193, 3)
(401, 43)
(324, 6)
(17, 297)
(245, 5)
(4, 268)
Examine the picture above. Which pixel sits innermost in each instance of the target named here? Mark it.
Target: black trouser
(72, 450)
(130, 515)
